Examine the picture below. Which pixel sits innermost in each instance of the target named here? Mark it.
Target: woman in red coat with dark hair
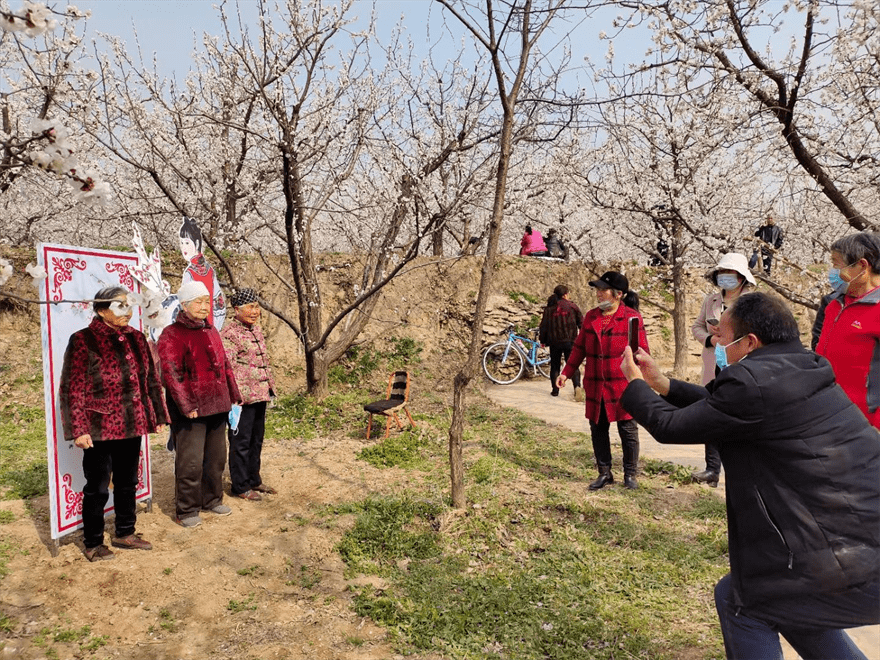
(110, 397)
(600, 344)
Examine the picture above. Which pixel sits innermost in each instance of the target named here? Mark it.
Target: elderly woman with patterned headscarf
(200, 390)
(246, 350)
(110, 397)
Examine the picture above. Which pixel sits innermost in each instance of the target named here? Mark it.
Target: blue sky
(172, 28)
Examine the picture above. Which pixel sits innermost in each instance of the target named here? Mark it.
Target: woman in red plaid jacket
(599, 344)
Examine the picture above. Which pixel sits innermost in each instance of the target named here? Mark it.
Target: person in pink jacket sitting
(532, 244)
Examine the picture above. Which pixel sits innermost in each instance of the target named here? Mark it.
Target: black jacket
(803, 470)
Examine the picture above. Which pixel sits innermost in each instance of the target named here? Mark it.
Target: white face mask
(605, 305)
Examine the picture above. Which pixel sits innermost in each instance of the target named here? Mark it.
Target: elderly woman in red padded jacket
(110, 396)
(200, 390)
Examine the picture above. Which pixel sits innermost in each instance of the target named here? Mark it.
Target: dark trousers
(767, 258)
(749, 637)
(119, 458)
(199, 463)
(629, 440)
(713, 458)
(246, 447)
(559, 354)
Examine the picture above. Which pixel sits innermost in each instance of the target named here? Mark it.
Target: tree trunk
(679, 319)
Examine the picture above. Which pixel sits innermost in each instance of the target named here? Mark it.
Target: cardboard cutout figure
(159, 308)
(200, 270)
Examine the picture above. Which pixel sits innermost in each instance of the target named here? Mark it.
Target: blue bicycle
(505, 361)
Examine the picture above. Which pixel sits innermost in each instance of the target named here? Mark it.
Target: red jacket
(601, 350)
(109, 387)
(850, 340)
(195, 370)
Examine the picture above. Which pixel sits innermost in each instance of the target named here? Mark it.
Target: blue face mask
(728, 282)
(721, 353)
(834, 278)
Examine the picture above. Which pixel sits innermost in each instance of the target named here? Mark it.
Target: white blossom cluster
(57, 155)
(33, 19)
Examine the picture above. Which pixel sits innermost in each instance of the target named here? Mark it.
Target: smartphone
(712, 321)
(632, 334)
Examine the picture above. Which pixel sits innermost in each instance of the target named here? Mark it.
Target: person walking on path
(246, 350)
(200, 390)
(850, 337)
(771, 236)
(559, 328)
(802, 488)
(110, 397)
(599, 344)
(732, 277)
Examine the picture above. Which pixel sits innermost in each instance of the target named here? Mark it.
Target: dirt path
(264, 582)
(532, 396)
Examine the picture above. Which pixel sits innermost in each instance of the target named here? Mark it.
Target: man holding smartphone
(803, 483)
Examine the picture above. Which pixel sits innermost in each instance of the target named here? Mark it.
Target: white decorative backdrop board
(76, 273)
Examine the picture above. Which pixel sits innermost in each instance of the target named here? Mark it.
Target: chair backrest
(398, 386)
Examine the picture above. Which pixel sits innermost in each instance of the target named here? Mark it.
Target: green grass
(246, 604)
(516, 296)
(405, 449)
(560, 575)
(23, 468)
(6, 517)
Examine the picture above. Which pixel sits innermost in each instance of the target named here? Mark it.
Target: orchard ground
(359, 550)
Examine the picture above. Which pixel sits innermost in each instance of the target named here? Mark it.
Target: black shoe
(630, 482)
(706, 477)
(604, 479)
(555, 392)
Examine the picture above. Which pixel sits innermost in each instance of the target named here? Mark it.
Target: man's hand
(560, 381)
(192, 415)
(629, 367)
(647, 369)
(84, 441)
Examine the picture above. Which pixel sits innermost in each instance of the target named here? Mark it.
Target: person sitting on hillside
(532, 244)
(555, 247)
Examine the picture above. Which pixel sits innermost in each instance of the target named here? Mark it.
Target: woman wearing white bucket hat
(732, 276)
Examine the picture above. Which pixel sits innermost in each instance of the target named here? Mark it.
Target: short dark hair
(864, 245)
(106, 296)
(766, 317)
(560, 290)
(528, 229)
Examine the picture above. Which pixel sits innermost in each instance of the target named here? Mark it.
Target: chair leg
(369, 426)
(397, 419)
(406, 410)
(387, 426)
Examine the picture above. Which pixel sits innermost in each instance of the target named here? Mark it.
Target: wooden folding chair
(396, 399)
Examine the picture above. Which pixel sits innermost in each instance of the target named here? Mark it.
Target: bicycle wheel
(502, 363)
(543, 361)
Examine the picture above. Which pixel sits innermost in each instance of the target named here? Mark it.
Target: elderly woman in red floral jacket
(110, 397)
(246, 350)
(200, 390)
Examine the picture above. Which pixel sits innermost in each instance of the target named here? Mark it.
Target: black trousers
(119, 458)
(246, 448)
(199, 463)
(629, 440)
(767, 258)
(559, 354)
